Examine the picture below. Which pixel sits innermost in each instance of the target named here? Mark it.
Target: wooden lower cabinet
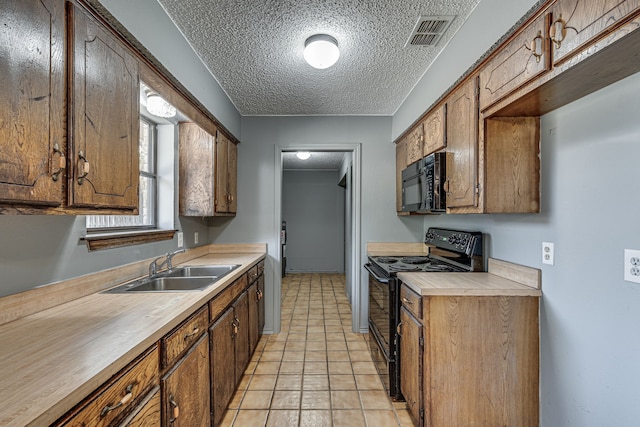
(223, 371)
(253, 295)
(261, 317)
(147, 414)
(185, 389)
(411, 368)
(241, 349)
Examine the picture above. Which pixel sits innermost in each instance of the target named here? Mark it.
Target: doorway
(351, 222)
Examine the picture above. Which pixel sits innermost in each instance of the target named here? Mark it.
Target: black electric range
(449, 251)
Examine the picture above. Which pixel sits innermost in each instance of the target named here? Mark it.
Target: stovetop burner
(387, 259)
(415, 259)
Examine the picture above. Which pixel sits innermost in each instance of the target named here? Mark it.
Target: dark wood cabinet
(261, 312)
(185, 389)
(32, 105)
(461, 184)
(195, 163)
(241, 313)
(222, 369)
(226, 167)
(103, 116)
(253, 295)
(401, 164)
(148, 413)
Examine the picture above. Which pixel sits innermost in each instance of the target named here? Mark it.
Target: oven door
(383, 317)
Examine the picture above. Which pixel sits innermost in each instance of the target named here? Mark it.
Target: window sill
(125, 238)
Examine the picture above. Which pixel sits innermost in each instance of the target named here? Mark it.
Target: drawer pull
(62, 162)
(194, 332)
(407, 301)
(235, 326)
(259, 293)
(558, 31)
(399, 329)
(83, 167)
(536, 46)
(175, 412)
(125, 399)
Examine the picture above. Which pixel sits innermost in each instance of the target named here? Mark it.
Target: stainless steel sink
(202, 270)
(181, 279)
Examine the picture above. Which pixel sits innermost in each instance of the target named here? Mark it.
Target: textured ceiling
(254, 49)
(318, 161)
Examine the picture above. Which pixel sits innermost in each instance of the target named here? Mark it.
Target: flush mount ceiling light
(303, 155)
(321, 51)
(157, 106)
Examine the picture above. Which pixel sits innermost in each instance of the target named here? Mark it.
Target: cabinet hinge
(421, 341)
(477, 189)
(422, 413)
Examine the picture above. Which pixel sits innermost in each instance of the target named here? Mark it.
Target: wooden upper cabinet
(415, 142)
(104, 117)
(32, 105)
(226, 167)
(401, 164)
(522, 59)
(462, 146)
(578, 24)
(196, 171)
(435, 131)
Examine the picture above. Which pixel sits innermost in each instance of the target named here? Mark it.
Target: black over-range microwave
(423, 185)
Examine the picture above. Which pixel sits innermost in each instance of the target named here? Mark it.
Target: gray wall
(313, 206)
(256, 222)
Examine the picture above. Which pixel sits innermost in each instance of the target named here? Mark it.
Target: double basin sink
(180, 279)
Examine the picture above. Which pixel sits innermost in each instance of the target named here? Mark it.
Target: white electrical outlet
(632, 265)
(180, 239)
(547, 253)
(195, 238)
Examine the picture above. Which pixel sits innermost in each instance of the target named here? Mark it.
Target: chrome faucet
(154, 266)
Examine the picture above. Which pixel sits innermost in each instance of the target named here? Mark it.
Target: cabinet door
(581, 23)
(147, 415)
(401, 164)
(252, 293)
(524, 58)
(196, 171)
(185, 389)
(32, 105)
(260, 305)
(411, 363)
(435, 131)
(462, 146)
(232, 176)
(241, 311)
(104, 112)
(221, 170)
(415, 141)
(222, 368)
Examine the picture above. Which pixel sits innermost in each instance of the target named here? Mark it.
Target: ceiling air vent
(429, 30)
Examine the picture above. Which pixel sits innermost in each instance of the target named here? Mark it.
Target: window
(147, 217)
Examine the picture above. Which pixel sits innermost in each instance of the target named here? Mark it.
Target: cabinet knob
(175, 409)
(193, 333)
(125, 399)
(536, 46)
(558, 31)
(407, 301)
(62, 162)
(399, 329)
(83, 167)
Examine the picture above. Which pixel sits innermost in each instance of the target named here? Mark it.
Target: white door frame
(356, 150)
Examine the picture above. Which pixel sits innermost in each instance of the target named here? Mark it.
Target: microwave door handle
(375, 276)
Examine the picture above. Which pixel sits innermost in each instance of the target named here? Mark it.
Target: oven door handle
(375, 276)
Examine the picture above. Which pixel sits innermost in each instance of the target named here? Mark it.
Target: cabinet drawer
(147, 414)
(253, 274)
(118, 397)
(525, 57)
(178, 341)
(222, 300)
(411, 301)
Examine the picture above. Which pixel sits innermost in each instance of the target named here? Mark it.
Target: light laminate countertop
(465, 284)
(51, 360)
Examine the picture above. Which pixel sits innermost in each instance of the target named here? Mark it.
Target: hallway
(316, 372)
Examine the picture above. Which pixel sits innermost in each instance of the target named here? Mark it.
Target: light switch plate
(180, 239)
(632, 265)
(195, 237)
(547, 253)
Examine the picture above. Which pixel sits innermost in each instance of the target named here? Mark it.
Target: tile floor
(316, 372)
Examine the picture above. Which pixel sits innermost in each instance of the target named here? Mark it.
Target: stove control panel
(469, 243)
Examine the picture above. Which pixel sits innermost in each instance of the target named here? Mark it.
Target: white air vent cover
(429, 30)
